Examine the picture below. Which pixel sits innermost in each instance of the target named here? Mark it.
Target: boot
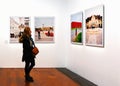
(28, 78)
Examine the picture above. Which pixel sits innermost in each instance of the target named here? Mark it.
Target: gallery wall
(99, 65)
(51, 54)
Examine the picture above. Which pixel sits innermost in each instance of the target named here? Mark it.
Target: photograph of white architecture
(17, 25)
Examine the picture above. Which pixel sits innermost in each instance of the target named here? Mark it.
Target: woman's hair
(27, 31)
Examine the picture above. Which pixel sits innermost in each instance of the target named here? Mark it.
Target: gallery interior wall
(51, 54)
(99, 65)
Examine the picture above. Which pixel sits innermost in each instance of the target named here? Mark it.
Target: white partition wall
(51, 54)
(99, 65)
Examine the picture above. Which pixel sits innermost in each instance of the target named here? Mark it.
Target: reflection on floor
(42, 77)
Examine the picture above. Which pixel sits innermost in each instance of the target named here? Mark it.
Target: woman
(28, 56)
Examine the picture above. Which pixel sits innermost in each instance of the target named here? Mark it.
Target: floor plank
(42, 77)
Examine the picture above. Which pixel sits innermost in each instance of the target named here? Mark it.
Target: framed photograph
(76, 28)
(17, 25)
(94, 18)
(44, 29)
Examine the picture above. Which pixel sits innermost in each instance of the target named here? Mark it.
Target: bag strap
(33, 43)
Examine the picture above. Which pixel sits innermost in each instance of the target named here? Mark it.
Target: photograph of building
(17, 25)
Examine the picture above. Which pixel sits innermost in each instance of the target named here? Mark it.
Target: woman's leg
(27, 71)
(27, 64)
(32, 64)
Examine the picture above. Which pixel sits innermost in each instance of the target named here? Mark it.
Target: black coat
(27, 49)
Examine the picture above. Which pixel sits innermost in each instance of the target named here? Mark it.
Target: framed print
(44, 29)
(17, 25)
(76, 28)
(94, 26)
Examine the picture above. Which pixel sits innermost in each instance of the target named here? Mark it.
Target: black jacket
(28, 45)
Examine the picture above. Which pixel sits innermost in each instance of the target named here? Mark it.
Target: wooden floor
(42, 77)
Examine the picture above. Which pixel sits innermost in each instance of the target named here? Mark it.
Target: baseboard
(77, 78)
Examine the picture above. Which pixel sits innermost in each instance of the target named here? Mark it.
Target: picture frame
(17, 25)
(44, 29)
(94, 26)
(77, 28)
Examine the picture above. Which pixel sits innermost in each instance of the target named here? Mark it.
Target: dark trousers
(28, 66)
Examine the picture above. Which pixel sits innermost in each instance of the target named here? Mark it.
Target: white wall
(51, 55)
(99, 65)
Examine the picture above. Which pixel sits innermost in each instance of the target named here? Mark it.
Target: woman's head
(27, 31)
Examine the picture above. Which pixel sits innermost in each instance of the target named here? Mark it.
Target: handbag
(35, 50)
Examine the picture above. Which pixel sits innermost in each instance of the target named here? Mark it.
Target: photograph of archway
(76, 28)
(17, 25)
(94, 26)
(44, 29)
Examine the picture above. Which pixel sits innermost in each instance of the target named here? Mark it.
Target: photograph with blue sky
(44, 29)
(76, 28)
